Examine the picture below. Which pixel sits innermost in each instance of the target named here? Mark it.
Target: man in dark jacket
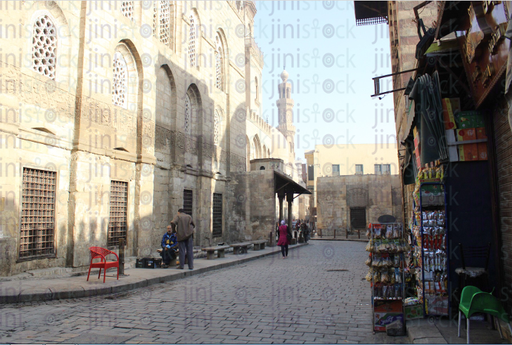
(169, 246)
(184, 227)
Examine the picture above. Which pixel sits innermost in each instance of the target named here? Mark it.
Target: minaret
(285, 110)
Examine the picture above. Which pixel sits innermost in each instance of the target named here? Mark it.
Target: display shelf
(431, 251)
(386, 273)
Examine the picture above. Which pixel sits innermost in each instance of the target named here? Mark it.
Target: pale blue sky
(331, 62)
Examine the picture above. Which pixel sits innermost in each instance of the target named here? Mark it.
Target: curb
(50, 295)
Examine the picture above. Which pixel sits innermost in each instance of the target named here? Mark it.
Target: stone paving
(316, 295)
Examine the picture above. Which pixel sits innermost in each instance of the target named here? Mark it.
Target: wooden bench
(259, 244)
(102, 253)
(240, 248)
(210, 251)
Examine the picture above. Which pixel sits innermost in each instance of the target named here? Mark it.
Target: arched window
(219, 60)
(192, 41)
(119, 81)
(217, 119)
(44, 47)
(162, 20)
(188, 114)
(127, 9)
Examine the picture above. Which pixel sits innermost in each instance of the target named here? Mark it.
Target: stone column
(289, 198)
(280, 195)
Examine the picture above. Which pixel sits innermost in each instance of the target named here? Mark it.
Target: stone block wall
(377, 194)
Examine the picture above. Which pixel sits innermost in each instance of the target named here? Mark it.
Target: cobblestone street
(317, 295)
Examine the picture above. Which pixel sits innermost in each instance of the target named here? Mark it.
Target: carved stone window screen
(192, 41)
(188, 115)
(216, 127)
(162, 21)
(119, 81)
(218, 63)
(44, 47)
(127, 9)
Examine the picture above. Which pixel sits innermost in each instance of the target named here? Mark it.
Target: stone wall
(70, 123)
(377, 194)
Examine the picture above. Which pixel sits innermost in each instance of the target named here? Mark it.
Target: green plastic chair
(473, 300)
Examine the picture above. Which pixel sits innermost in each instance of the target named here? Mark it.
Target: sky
(331, 63)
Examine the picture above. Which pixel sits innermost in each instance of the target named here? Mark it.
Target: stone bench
(210, 251)
(259, 244)
(240, 248)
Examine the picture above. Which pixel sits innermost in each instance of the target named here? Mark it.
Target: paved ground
(317, 295)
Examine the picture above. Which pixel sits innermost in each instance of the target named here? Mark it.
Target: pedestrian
(305, 231)
(184, 227)
(169, 244)
(284, 235)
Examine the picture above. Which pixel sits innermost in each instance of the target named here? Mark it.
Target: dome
(284, 76)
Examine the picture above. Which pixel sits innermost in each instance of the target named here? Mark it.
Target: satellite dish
(385, 219)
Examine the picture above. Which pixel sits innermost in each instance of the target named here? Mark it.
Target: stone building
(353, 159)
(114, 115)
(353, 201)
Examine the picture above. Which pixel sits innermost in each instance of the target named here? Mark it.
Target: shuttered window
(217, 215)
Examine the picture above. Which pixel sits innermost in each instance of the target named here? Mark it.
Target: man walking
(184, 227)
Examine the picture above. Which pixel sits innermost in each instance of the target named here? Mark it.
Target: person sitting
(169, 246)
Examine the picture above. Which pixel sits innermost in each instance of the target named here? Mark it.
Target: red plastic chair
(102, 253)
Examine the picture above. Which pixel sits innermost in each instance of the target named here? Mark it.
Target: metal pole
(121, 256)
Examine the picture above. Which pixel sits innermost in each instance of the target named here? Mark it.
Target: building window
(219, 60)
(358, 218)
(378, 169)
(217, 215)
(118, 213)
(120, 81)
(359, 169)
(187, 201)
(335, 170)
(127, 9)
(216, 127)
(37, 225)
(192, 41)
(256, 89)
(188, 114)
(44, 47)
(162, 20)
(386, 169)
(311, 172)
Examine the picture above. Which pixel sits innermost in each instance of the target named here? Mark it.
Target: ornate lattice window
(165, 20)
(216, 127)
(127, 9)
(192, 41)
(44, 46)
(219, 54)
(188, 114)
(156, 4)
(117, 224)
(162, 21)
(37, 225)
(120, 81)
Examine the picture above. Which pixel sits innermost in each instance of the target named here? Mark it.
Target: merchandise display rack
(386, 274)
(434, 253)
